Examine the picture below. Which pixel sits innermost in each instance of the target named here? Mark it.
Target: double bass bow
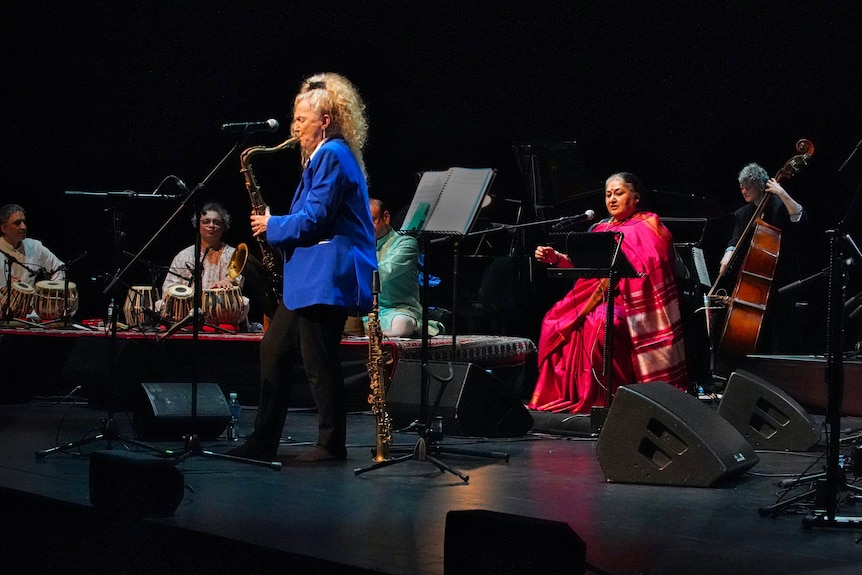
(760, 243)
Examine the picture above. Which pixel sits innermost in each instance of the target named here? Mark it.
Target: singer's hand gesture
(548, 255)
(258, 222)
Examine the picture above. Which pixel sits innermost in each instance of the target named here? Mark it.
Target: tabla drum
(51, 296)
(139, 298)
(178, 302)
(222, 305)
(20, 299)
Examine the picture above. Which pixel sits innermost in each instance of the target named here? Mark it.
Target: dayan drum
(178, 302)
(139, 298)
(222, 305)
(21, 299)
(51, 297)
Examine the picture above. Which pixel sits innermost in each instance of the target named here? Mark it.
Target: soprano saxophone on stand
(270, 259)
(379, 361)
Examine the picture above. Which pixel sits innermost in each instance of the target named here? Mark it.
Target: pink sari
(648, 341)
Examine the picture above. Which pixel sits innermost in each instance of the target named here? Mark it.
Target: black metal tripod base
(190, 320)
(820, 517)
(821, 520)
(18, 323)
(65, 323)
(419, 453)
(108, 433)
(193, 448)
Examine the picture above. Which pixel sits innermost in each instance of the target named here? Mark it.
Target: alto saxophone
(379, 363)
(270, 259)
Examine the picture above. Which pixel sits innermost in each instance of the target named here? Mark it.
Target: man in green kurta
(400, 310)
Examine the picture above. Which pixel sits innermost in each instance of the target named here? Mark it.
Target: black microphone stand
(65, 319)
(193, 446)
(108, 430)
(826, 516)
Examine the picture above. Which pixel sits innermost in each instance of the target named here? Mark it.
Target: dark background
(101, 96)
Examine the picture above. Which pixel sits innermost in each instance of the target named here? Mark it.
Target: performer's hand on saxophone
(259, 221)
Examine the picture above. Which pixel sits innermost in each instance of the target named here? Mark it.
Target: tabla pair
(48, 299)
(219, 306)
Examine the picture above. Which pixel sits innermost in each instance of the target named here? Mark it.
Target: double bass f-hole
(759, 246)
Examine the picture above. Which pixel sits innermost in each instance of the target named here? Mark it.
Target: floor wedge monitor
(164, 411)
(765, 415)
(472, 401)
(480, 541)
(656, 434)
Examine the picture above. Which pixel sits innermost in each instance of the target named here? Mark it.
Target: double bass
(761, 244)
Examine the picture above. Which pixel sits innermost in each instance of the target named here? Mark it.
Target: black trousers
(311, 336)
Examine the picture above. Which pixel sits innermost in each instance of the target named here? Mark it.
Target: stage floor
(326, 519)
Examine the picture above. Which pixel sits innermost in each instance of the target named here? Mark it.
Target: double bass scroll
(759, 246)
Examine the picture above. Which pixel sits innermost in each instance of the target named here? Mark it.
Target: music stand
(444, 206)
(599, 256)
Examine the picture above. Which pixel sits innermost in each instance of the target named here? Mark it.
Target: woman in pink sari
(647, 333)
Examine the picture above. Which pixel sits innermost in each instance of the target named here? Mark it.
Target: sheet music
(448, 201)
(427, 194)
(700, 266)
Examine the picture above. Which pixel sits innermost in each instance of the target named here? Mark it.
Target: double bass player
(780, 330)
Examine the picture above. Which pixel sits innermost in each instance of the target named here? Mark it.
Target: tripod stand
(108, 427)
(447, 200)
(193, 446)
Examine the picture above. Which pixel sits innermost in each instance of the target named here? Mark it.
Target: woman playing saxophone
(327, 239)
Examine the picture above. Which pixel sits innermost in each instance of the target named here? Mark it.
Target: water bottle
(235, 411)
(109, 321)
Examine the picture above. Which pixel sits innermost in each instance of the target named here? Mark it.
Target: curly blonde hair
(333, 94)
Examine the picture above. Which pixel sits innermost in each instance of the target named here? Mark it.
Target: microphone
(270, 125)
(568, 223)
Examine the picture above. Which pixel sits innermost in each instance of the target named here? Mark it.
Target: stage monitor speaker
(474, 402)
(134, 485)
(477, 541)
(765, 415)
(657, 434)
(164, 411)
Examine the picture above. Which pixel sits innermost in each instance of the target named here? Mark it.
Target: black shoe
(320, 453)
(254, 451)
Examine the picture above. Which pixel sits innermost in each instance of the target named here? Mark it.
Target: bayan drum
(178, 302)
(139, 298)
(21, 299)
(51, 297)
(222, 305)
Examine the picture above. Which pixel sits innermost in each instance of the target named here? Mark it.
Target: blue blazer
(328, 236)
